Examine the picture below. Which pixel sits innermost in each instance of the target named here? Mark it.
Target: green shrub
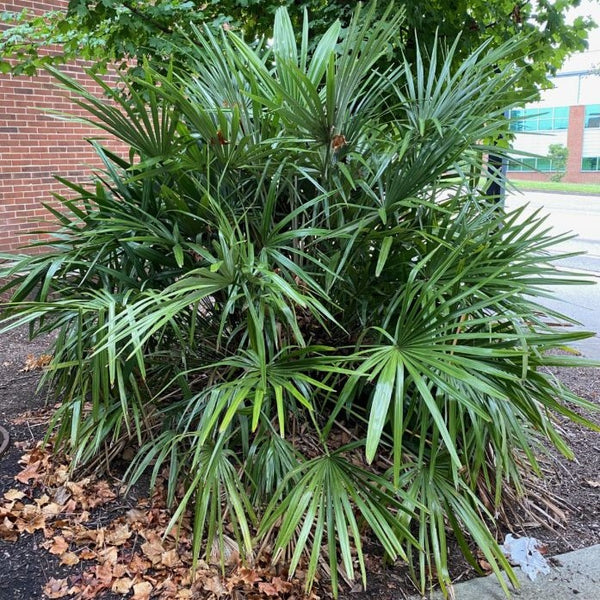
(558, 155)
(293, 296)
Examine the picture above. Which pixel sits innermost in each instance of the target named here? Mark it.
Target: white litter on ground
(523, 552)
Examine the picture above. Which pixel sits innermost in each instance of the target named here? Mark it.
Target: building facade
(36, 146)
(567, 114)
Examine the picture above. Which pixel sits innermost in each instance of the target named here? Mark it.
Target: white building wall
(591, 142)
(538, 143)
(571, 89)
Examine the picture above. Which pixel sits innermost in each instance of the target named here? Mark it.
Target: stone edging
(4, 439)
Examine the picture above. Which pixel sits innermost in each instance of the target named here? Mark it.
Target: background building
(567, 114)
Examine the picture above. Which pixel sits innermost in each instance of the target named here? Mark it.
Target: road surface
(579, 215)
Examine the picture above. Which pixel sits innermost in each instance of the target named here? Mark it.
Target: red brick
(36, 146)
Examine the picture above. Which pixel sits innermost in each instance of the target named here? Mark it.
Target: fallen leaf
(59, 545)
(29, 472)
(248, 576)
(14, 495)
(282, 585)
(62, 495)
(56, 588)
(122, 586)
(134, 515)
(153, 550)
(267, 588)
(33, 362)
(104, 574)
(215, 585)
(170, 558)
(109, 555)
(8, 532)
(142, 591)
(593, 483)
(485, 565)
(118, 536)
(52, 509)
(69, 559)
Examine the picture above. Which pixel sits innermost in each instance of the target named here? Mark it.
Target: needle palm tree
(294, 296)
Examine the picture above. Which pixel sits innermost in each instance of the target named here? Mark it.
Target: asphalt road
(579, 215)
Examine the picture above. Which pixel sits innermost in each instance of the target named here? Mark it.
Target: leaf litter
(130, 555)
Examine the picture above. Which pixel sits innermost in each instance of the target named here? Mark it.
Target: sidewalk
(575, 575)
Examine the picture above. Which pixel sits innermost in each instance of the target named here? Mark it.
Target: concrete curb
(575, 575)
(4, 439)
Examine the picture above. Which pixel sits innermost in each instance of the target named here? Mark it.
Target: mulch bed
(26, 566)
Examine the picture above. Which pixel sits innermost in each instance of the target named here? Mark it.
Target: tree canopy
(106, 31)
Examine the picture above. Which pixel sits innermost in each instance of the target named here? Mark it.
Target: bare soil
(26, 567)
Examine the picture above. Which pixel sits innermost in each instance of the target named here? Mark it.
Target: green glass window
(529, 165)
(535, 119)
(592, 115)
(590, 163)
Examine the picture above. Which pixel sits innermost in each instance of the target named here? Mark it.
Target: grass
(558, 186)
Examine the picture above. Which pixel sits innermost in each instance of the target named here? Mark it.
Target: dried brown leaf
(142, 591)
(119, 535)
(12, 495)
(215, 585)
(170, 559)
(62, 495)
(153, 550)
(134, 515)
(267, 588)
(52, 509)
(58, 545)
(31, 471)
(122, 585)
(56, 588)
(282, 585)
(69, 559)
(8, 533)
(33, 362)
(109, 555)
(104, 574)
(248, 576)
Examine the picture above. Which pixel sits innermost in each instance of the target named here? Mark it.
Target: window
(590, 163)
(528, 165)
(536, 119)
(592, 116)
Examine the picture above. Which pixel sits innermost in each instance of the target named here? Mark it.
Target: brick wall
(35, 146)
